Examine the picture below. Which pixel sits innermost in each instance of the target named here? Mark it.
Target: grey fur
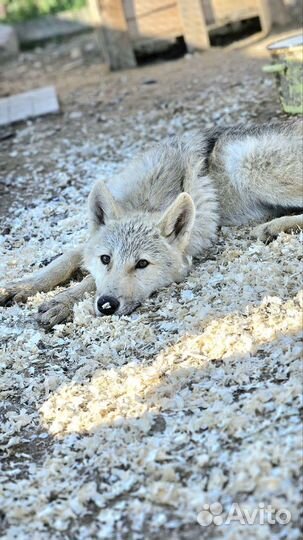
(166, 207)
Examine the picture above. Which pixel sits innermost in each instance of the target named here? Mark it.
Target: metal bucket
(287, 65)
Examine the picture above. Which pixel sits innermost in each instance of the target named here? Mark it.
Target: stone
(75, 53)
(75, 115)
(28, 105)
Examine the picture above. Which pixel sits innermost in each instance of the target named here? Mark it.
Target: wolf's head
(130, 255)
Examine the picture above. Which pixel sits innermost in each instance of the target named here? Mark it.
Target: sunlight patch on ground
(133, 390)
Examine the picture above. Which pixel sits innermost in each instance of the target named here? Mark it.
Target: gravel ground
(127, 428)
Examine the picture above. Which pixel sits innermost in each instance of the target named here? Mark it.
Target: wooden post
(279, 13)
(109, 18)
(194, 25)
(265, 16)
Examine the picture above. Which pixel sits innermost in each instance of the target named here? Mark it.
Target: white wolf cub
(165, 207)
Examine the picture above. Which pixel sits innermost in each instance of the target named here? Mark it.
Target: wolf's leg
(58, 271)
(60, 308)
(269, 231)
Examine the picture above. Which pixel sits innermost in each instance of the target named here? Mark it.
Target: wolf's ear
(101, 205)
(177, 222)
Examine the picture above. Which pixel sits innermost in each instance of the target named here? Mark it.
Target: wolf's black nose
(107, 305)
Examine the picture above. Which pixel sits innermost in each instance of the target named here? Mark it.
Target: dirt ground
(130, 428)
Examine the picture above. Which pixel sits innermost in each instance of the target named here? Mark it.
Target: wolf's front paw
(54, 312)
(16, 291)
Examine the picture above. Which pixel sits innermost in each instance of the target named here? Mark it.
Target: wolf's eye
(105, 259)
(143, 263)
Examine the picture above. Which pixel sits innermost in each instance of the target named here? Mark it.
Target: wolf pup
(147, 222)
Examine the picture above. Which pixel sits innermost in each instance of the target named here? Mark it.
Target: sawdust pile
(133, 423)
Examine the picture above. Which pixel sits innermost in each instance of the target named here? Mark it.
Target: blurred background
(131, 30)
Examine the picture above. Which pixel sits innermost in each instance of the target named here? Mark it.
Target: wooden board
(144, 8)
(156, 26)
(234, 9)
(157, 19)
(195, 29)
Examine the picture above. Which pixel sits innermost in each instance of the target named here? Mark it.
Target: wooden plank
(233, 9)
(279, 13)
(164, 23)
(207, 6)
(113, 34)
(195, 30)
(95, 12)
(143, 8)
(265, 16)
